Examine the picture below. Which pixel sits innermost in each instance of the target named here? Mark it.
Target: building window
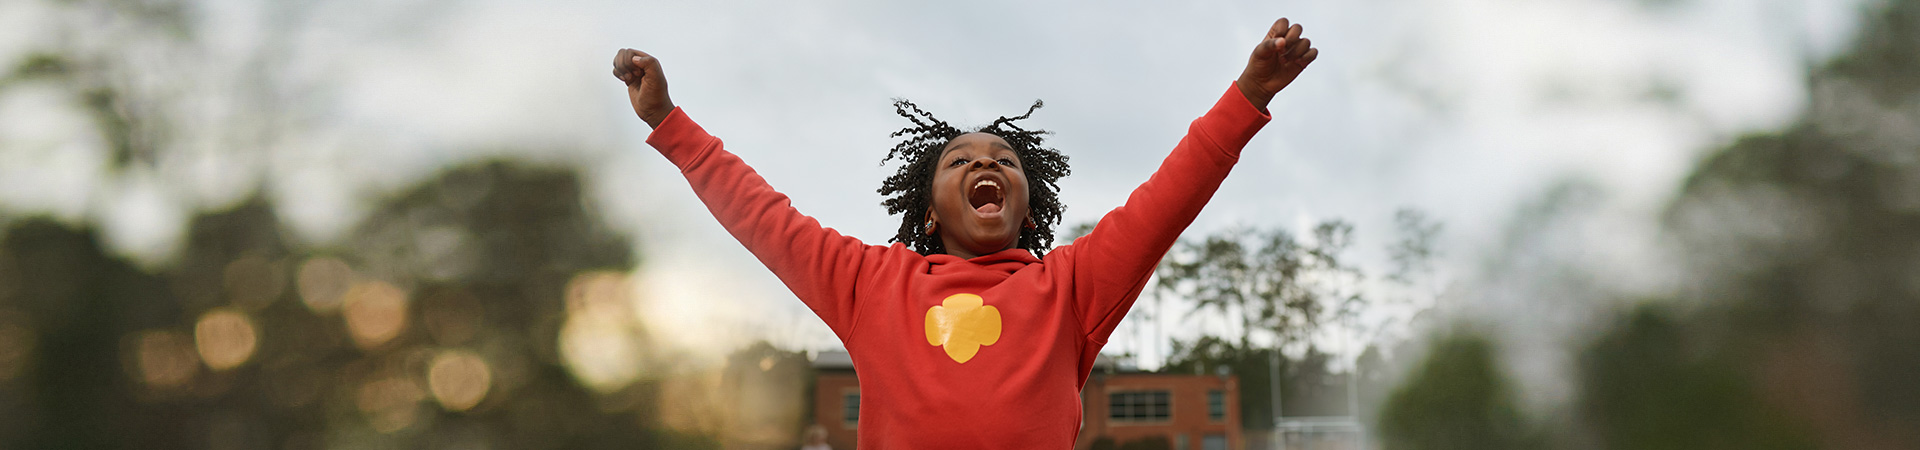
(850, 409)
(1140, 406)
(1213, 442)
(1216, 405)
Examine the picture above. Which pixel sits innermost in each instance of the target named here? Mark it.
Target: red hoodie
(989, 352)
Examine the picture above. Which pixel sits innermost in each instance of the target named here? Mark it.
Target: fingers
(1282, 41)
(1267, 48)
(1279, 28)
(631, 65)
(1299, 49)
(1275, 40)
(1289, 39)
(623, 67)
(649, 67)
(1308, 58)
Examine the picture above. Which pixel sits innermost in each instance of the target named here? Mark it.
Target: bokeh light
(600, 352)
(690, 402)
(389, 403)
(600, 341)
(459, 379)
(322, 282)
(164, 358)
(376, 312)
(600, 293)
(1667, 224)
(225, 338)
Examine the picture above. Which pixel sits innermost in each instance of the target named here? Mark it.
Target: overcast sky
(1464, 108)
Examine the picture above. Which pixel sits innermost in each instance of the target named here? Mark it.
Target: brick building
(836, 398)
(1192, 412)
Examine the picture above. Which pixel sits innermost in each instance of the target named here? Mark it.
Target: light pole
(1273, 382)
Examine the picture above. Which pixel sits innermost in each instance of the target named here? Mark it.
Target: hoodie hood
(1006, 261)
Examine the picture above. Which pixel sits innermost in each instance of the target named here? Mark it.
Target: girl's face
(979, 195)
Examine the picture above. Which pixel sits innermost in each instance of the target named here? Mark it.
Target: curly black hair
(909, 192)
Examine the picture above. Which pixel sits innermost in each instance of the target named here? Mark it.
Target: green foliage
(61, 285)
(1650, 384)
(1280, 287)
(38, 65)
(129, 112)
(1458, 398)
(1882, 55)
(520, 234)
(1802, 242)
(1413, 254)
(1271, 282)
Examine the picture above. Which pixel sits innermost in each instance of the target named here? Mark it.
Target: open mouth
(986, 197)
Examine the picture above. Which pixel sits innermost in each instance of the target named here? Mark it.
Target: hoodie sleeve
(1111, 264)
(818, 264)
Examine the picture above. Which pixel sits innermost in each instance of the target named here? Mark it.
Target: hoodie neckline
(1012, 255)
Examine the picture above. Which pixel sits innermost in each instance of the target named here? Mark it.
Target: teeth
(986, 183)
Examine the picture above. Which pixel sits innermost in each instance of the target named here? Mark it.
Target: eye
(1006, 162)
(957, 162)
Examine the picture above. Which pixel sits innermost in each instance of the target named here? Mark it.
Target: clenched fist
(646, 85)
(1276, 61)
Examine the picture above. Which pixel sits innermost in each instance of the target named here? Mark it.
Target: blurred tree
(1650, 384)
(1276, 288)
(248, 341)
(1805, 242)
(438, 323)
(75, 304)
(1258, 290)
(153, 85)
(1375, 381)
(1458, 398)
(1269, 286)
(1414, 252)
(510, 250)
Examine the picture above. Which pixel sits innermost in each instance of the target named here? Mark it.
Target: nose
(986, 163)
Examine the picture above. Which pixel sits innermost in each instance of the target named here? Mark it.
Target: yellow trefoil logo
(961, 324)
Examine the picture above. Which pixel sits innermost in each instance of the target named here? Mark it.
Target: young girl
(968, 339)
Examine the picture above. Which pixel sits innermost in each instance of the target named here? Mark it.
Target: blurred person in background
(816, 438)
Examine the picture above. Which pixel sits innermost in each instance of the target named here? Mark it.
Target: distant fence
(1320, 433)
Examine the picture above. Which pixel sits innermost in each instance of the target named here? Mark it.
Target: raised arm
(817, 263)
(1111, 264)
